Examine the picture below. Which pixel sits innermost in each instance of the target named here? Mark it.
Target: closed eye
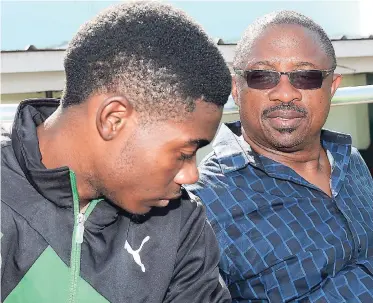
(186, 157)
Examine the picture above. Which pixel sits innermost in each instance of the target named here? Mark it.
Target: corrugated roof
(219, 41)
(351, 37)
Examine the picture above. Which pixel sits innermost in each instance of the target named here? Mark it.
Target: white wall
(16, 98)
(353, 120)
(28, 82)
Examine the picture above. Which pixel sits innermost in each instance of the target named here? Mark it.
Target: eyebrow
(305, 64)
(199, 143)
(269, 64)
(265, 62)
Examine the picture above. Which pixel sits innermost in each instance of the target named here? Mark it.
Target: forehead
(196, 129)
(289, 44)
(202, 122)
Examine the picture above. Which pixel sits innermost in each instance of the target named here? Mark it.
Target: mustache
(283, 107)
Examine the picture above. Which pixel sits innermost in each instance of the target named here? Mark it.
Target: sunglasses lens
(307, 79)
(261, 79)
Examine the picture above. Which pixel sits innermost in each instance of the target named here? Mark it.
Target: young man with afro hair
(93, 208)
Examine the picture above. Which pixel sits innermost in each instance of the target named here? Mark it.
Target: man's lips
(285, 119)
(285, 114)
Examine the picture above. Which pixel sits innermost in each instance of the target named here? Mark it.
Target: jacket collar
(53, 184)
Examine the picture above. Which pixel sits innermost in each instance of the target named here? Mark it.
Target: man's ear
(234, 91)
(337, 78)
(112, 116)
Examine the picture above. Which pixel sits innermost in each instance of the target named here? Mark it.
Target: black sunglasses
(300, 79)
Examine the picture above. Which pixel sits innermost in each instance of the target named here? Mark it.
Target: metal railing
(353, 95)
(343, 96)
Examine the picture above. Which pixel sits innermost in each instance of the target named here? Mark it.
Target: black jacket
(50, 253)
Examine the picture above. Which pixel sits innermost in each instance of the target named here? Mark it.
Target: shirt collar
(234, 153)
(339, 148)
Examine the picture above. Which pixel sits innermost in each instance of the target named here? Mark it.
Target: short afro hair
(255, 29)
(153, 54)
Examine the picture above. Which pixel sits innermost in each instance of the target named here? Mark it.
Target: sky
(52, 23)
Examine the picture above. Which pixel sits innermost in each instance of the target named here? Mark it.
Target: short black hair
(255, 29)
(159, 58)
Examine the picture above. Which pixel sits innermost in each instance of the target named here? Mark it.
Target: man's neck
(54, 141)
(60, 144)
(310, 162)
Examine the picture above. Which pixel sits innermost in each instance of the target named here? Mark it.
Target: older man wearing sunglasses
(291, 203)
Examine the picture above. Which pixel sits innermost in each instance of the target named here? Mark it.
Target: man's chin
(286, 139)
(140, 211)
(146, 208)
(162, 203)
(133, 209)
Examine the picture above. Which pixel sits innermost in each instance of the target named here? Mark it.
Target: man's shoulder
(16, 191)
(358, 165)
(190, 205)
(336, 137)
(10, 167)
(355, 154)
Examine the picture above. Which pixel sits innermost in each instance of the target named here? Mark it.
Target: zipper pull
(80, 229)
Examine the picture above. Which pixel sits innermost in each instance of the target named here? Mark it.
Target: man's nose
(188, 174)
(284, 91)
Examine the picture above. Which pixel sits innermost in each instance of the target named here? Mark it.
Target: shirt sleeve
(196, 275)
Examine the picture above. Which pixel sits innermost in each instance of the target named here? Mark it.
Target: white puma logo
(136, 253)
